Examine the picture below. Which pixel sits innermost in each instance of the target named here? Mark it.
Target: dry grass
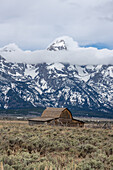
(13, 122)
(36, 147)
(1, 126)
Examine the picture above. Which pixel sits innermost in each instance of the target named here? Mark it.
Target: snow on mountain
(57, 66)
(81, 88)
(63, 43)
(10, 48)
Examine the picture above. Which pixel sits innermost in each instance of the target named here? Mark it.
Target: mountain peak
(12, 47)
(63, 43)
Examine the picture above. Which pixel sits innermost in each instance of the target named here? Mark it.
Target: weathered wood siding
(35, 122)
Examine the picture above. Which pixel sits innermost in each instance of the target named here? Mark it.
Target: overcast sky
(33, 24)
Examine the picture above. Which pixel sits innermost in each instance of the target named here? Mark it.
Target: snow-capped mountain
(88, 88)
(85, 88)
(10, 48)
(63, 43)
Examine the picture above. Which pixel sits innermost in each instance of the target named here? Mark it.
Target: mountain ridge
(84, 88)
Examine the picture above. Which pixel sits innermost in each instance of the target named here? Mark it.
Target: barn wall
(70, 122)
(59, 122)
(80, 124)
(35, 122)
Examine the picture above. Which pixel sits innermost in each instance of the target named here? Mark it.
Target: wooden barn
(56, 116)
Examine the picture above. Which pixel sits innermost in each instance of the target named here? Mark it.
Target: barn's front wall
(58, 122)
(67, 122)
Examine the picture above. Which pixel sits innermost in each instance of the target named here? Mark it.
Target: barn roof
(76, 120)
(51, 112)
(41, 119)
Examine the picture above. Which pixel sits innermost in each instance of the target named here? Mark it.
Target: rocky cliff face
(87, 87)
(59, 45)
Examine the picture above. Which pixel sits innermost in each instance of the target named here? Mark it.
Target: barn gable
(66, 114)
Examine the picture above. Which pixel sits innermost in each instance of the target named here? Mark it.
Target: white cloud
(33, 24)
(79, 55)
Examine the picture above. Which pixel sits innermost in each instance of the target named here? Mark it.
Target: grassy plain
(24, 147)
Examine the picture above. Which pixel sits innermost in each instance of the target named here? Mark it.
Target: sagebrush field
(24, 147)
